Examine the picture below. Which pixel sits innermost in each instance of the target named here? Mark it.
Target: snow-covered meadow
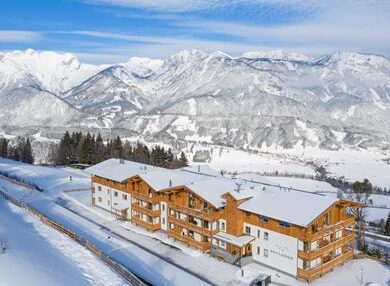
(39, 255)
(351, 164)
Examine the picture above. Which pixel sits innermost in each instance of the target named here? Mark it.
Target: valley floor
(124, 241)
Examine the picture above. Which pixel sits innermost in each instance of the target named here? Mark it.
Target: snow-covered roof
(299, 208)
(239, 241)
(202, 169)
(294, 207)
(114, 170)
(158, 178)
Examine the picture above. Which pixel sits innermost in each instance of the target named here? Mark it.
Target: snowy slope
(33, 106)
(52, 71)
(39, 255)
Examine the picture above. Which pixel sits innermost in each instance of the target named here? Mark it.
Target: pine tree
(387, 226)
(142, 154)
(117, 148)
(99, 149)
(183, 158)
(3, 147)
(27, 152)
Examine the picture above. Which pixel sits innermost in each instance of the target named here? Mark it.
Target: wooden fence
(125, 273)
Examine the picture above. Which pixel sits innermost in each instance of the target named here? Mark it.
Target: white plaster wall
(164, 216)
(109, 201)
(282, 249)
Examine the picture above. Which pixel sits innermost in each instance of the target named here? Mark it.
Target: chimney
(238, 184)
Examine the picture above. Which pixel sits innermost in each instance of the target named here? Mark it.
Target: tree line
(79, 148)
(19, 150)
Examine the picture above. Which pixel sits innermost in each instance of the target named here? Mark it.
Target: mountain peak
(186, 55)
(50, 58)
(276, 55)
(348, 58)
(143, 66)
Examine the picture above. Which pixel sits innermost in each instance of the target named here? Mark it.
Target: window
(108, 202)
(222, 244)
(258, 233)
(247, 230)
(265, 252)
(263, 219)
(99, 199)
(163, 220)
(124, 196)
(163, 207)
(247, 214)
(108, 191)
(115, 194)
(327, 219)
(284, 224)
(223, 226)
(266, 236)
(99, 188)
(258, 250)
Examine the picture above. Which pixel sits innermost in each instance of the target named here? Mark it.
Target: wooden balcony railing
(188, 225)
(189, 240)
(326, 230)
(311, 274)
(311, 254)
(153, 213)
(146, 198)
(149, 226)
(202, 214)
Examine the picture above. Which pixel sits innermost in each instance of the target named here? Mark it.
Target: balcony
(333, 245)
(186, 224)
(146, 198)
(189, 240)
(202, 214)
(321, 233)
(310, 275)
(153, 213)
(149, 226)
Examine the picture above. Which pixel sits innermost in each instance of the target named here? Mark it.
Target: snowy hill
(261, 98)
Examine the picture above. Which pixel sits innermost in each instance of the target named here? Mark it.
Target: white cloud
(10, 36)
(332, 25)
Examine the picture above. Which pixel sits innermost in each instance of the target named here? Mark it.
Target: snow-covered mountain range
(258, 99)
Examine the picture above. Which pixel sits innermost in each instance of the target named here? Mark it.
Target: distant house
(302, 234)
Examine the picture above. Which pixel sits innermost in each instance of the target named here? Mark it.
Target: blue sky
(109, 31)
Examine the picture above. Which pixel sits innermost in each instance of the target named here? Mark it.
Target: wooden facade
(191, 219)
(194, 221)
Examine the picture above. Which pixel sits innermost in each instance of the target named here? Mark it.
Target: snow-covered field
(39, 255)
(308, 185)
(351, 164)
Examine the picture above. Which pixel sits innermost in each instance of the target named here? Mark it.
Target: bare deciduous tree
(361, 192)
